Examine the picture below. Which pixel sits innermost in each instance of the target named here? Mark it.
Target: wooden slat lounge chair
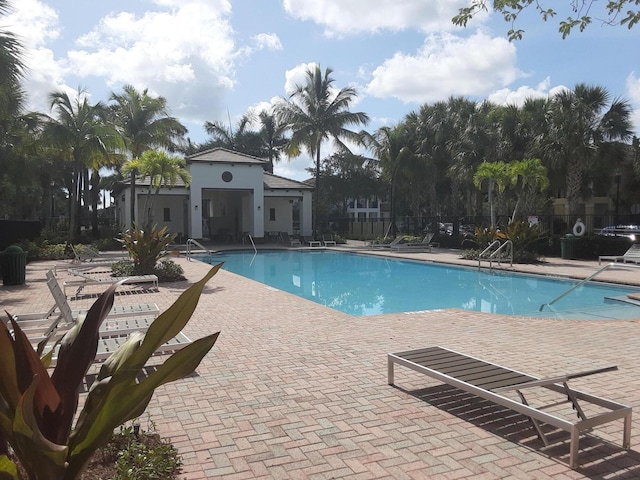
(491, 382)
(632, 255)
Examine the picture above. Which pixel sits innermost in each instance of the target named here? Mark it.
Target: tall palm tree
(497, 176)
(84, 137)
(529, 176)
(10, 69)
(392, 150)
(163, 171)
(273, 137)
(316, 112)
(241, 139)
(145, 123)
(580, 121)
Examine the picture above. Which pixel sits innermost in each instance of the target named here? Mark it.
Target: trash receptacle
(14, 265)
(568, 248)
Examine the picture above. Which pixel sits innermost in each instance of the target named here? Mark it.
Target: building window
(167, 214)
(272, 214)
(227, 177)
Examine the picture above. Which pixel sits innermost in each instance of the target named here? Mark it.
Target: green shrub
(122, 268)
(166, 270)
(169, 271)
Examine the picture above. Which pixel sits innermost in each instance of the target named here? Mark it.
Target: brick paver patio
(296, 390)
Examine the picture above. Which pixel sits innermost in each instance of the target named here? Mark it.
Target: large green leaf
(97, 426)
(8, 469)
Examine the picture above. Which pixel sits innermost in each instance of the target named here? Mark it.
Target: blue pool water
(370, 285)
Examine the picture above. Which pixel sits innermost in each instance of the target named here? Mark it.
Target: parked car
(629, 231)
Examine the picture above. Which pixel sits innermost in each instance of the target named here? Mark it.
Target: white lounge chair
(294, 242)
(423, 246)
(491, 382)
(122, 319)
(86, 278)
(310, 241)
(394, 242)
(632, 255)
(328, 240)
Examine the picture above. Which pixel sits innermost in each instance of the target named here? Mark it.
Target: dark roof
(222, 155)
(275, 182)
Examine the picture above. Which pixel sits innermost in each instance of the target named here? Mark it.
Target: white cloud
(447, 65)
(506, 96)
(270, 41)
(348, 17)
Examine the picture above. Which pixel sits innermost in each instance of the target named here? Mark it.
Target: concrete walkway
(296, 390)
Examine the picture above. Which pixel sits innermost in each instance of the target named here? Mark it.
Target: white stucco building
(230, 195)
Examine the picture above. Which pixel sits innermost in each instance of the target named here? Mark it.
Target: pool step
(623, 299)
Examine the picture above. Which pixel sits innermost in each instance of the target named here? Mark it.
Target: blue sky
(216, 59)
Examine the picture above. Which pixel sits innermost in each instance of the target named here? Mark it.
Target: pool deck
(293, 389)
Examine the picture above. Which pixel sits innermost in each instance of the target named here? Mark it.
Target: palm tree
(497, 175)
(579, 123)
(529, 176)
(242, 139)
(11, 66)
(273, 137)
(316, 112)
(144, 122)
(163, 171)
(83, 137)
(393, 153)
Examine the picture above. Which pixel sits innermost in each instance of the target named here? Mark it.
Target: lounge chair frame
(423, 246)
(631, 255)
(86, 278)
(489, 380)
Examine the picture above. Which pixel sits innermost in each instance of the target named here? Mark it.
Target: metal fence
(552, 224)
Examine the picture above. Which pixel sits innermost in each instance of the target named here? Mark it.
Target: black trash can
(568, 247)
(14, 265)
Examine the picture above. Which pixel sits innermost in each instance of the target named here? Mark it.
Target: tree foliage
(582, 13)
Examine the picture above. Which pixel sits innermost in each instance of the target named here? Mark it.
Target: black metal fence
(553, 225)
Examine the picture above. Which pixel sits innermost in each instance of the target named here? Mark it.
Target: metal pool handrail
(582, 282)
(191, 242)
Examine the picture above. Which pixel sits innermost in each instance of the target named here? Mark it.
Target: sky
(216, 60)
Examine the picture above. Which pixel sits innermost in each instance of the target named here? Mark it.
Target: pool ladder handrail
(585, 280)
(500, 246)
(192, 241)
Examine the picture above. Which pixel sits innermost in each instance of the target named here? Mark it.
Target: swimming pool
(370, 285)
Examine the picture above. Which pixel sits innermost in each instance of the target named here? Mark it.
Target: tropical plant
(391, 148)
(580, 122)
(582, 13)
(497, 176)
(146, 246)
(162, 170)
(144, 122)
(38, 409)
(316, 112)
(84, 138)
(273, 137)
(529, 177)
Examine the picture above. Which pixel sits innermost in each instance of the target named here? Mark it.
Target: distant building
(230, 195)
